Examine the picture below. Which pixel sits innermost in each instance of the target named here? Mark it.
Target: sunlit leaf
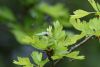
(74, 55)
(82, 26)
(37, 57)
(94, 5)
(23, 61)
(70, 40)
(79, 14)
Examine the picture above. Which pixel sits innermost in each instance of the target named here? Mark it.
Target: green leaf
(82, 26)
(98, 6)
(95, 26)
(74, 55)
(40, 42)
(89, 28)
(49, 30)
(79, 14)
(34, 40)
(54, 11)
(22, 37)
(55, 57)
(94, 5)
(59, 49)
(37, 57)
(57, 26)
(72, 39)
(23, 61)
(7, 14)
(58, 32)
(43, 62)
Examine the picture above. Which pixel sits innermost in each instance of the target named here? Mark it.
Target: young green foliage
(79, 14)
(94, 5)
(55, 41)
(56, 12)
(75, 55)
(37, 58)
(25, 62)
(88, 28)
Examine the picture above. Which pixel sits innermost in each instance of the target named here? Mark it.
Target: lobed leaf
(25, 62)
(79, 14)
(74, 55)
(94, 5)
(37, 57)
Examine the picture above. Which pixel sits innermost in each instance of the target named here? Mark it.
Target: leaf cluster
(55, 41)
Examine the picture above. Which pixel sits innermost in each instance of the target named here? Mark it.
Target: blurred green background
(33, 16)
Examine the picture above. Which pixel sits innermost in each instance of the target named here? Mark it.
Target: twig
(57, 62)
(77, 45)
(74, 47)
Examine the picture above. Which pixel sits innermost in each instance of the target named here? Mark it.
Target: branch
(74, 47)
(79, 44)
